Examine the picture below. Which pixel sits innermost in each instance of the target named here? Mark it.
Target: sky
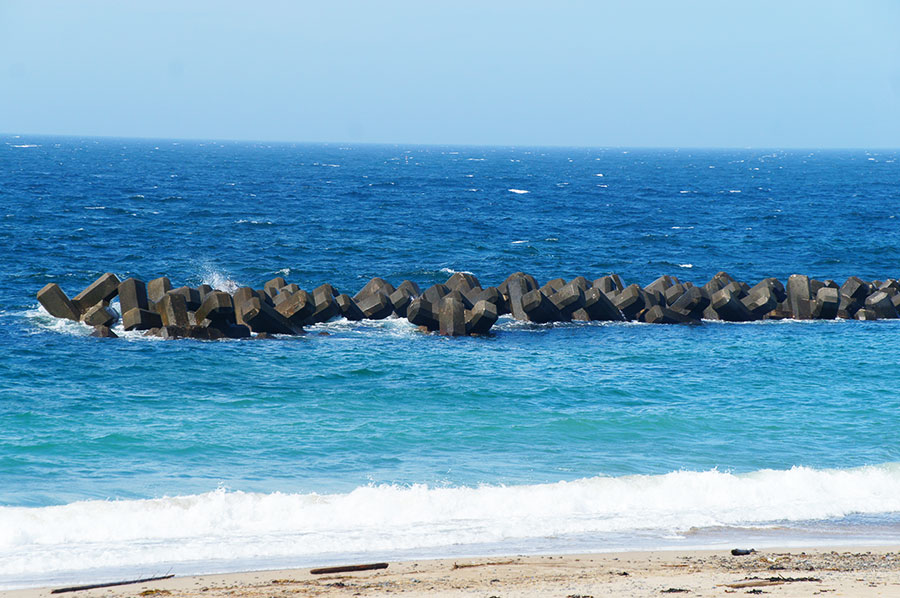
(773, 74)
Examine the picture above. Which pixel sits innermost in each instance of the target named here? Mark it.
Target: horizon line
(445, 144)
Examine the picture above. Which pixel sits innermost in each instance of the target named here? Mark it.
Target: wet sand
(788, 572)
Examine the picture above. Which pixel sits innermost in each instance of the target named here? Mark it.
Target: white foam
(518, 191)
(685, 265)
(234, 526)
(519, 242)
(44, 321)
(217, 279)
(452, 271)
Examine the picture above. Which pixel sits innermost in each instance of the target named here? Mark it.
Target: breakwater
(461, 306)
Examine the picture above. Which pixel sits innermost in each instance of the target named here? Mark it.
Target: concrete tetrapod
(57, 303)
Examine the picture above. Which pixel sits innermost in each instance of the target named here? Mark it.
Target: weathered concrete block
(410, 287)
(400, 300)
(517, 285)
(659, 314)
(218, 306)
(674, 292)
(281, 297)
(238, 331)
(289, 288)
(376, 285)
(172, 308)
(272, 287)
(103, 289)
(630, 301)
(57, 303)
(891, 286)
(895, 299)
(191, 297)
(693, 302)
(772, 284)
(865, 313)
(434, 293)
(652, 298)
(528, 281)
(298, 307)
(325, 305)
(490, 294)
(421, 313)
(462, 282)
(100, 315)
(171, 332)
(849, 305)
(538, 308)
(481, 317)
(205, 290)
(452, 318)
(568, 299)
(133, 293)
(611, 285)
(376, 305)
(581, 282)
(348, 307)
(726, 304)
(717, 283)
(880, 303)
(552, 286)
(326, 289)
(261, 317)
(597, 307)
(799, 297)
(659, 285)
(103, 332)
(855, 289)
(140, 319)
(467, 304)
(760, 301)
(220, 329)
(158, 287)
(240, 297)
(710, 314)
(827, 302)
(814, 286)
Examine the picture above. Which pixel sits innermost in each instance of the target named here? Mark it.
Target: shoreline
(856, 571)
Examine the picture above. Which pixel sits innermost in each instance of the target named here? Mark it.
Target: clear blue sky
(653, 73)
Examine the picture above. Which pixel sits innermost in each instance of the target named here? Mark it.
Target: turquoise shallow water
(376, 440)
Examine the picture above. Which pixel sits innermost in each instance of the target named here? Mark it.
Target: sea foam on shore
(221, 530)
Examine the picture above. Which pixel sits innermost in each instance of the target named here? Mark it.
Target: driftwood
(348, 568)
(771, 581)
(94, 586)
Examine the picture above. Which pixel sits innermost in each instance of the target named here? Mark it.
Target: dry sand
(794, 572)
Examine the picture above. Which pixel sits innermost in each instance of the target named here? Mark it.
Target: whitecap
(518, 191)
(685, 265)
(451, 271)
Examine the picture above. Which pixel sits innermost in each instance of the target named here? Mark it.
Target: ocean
(136, 456)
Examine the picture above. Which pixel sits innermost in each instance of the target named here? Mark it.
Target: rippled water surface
(772, 413)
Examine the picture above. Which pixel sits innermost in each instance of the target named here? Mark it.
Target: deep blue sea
(137, 456)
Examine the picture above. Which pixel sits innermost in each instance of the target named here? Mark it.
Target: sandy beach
(870, 571)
